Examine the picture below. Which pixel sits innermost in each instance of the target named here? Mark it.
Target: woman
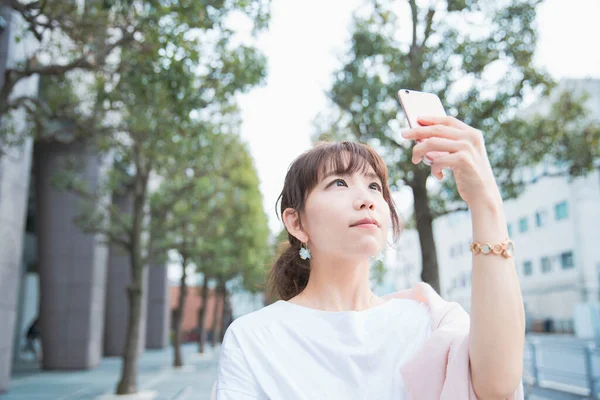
(331, 337)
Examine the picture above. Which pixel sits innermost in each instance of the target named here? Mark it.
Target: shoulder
(256, 320)
(442, 312)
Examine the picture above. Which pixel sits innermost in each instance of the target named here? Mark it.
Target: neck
(338, 285)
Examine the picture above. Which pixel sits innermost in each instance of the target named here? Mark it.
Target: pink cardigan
(441, 369)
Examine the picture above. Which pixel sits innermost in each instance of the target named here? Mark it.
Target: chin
(367, 250)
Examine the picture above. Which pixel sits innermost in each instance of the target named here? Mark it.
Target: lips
(366, 221)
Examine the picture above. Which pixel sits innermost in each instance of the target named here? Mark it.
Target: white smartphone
(420, 104)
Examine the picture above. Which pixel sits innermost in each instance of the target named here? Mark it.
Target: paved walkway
(193, 381)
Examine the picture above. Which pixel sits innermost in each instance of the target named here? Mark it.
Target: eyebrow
(369, 175)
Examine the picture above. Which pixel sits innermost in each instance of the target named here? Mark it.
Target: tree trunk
(128, 381)
(424, 221)
(178, 316)
(220, 290)
(226, 317)
(202, 315)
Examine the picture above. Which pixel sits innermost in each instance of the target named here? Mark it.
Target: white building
(554, 224)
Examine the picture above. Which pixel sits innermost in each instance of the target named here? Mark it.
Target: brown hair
(289, 275)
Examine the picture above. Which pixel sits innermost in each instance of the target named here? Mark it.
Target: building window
(509, 227)
(527, 268)
(523, 225)
(561, 211)
(566, 260)
(546, 265)
(541, 218)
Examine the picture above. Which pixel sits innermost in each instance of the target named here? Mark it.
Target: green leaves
(477, 57)
(164, 110)
(453, 60)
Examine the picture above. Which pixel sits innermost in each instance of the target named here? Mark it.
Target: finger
(446, 120)
(438, 145)
(425, 132)
(475, 136)
(430, 156)
(446, 161)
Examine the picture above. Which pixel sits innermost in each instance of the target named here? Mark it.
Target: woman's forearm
(497, 313)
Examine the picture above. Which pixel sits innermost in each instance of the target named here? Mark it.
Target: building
(191, 309)
(74, 282)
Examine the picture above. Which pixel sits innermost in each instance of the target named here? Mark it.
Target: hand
(453, 144)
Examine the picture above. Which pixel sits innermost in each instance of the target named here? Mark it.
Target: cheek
(315, 217)
(385, 215)
(324, 217)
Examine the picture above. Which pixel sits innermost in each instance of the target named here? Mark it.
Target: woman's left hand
(457, 146)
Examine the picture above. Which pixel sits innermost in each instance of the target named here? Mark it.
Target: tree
(247, 234)
(476, 56)
(183, 70)
(70, 38)
(181, 217)
(75, 38)
(236, 233)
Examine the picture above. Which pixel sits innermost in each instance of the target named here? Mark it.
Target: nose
(364, 201)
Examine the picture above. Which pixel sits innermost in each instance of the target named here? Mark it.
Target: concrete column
(157, 331)
(15, 165)
(72, 265)
(117, 301)
(14, 187)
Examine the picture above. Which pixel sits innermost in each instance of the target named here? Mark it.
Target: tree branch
(25, 10)
(415, 21)
(429, 25)
(82, 62)
(111, 236)
(85, 62)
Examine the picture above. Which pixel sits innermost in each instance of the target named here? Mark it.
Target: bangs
(344, 158)
(339, 158)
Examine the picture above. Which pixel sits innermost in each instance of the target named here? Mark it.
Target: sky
(303, 47)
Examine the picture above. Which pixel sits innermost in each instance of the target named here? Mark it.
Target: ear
(291, 220)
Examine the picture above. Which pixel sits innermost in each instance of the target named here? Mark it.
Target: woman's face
(346, 215)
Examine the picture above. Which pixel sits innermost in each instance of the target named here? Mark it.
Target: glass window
(527, 268)
(523, 225)
(546, 265)
(566, 260)
(561, 211)
(541, 218)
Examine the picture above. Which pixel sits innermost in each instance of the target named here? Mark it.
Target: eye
(376, 186)
(338, 181)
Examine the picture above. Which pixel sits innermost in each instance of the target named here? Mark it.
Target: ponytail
(289, 274)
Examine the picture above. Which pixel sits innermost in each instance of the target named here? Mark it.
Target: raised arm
(497, 332)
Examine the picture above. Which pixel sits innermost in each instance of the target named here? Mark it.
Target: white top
(287, 351)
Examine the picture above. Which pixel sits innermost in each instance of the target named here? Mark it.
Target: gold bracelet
(505, 248)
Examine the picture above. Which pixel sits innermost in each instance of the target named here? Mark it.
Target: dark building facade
(49, 268)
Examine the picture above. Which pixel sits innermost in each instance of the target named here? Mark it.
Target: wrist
(490, 204)
(489, 221)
